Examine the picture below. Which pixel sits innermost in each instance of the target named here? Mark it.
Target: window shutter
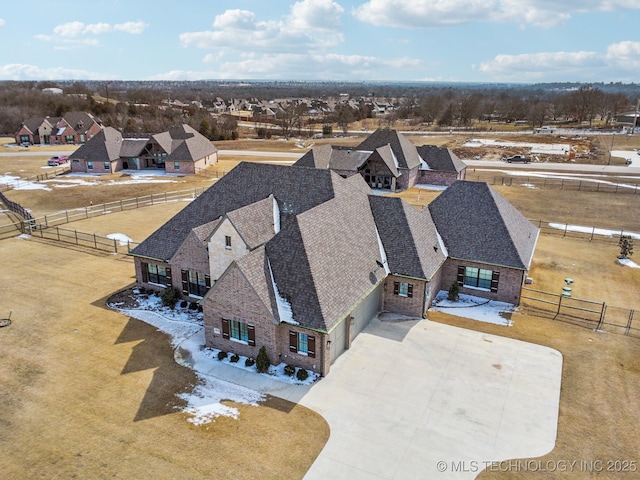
(251, 330)
(169, 280)
(495, 278)
(145, 272)
(207, 281)
(311, 346)
(410, 290)
(185, 281)
(225, 328)
(461, 275)
(293, 341)
(396, 288)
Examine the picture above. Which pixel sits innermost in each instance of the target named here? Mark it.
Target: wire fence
(584, 313)
(584, 184)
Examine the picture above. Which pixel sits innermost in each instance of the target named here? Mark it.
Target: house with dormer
(74, 128)
(300, 259)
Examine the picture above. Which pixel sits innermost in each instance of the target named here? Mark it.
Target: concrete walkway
(416, 399)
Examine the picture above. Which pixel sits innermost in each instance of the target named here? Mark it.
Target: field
(89, 393)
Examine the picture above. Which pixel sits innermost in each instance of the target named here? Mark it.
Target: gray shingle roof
(80, 121)
(408, 236)
(295, 189)
(324, 262)
(255, 222)
(132, 147)
(334, 157)
(188, 145)
(104, 146)
(478, 224)
(404, 150)
(441, 159)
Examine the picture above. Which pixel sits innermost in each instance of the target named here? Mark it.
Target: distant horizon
(458, 41)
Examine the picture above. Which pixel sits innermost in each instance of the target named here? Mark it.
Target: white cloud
(1, 22)
(620, 62)
(17, 71)
(77, 29)
(430, 13)
(310, 25)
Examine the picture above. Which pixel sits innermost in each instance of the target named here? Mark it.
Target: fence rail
(584, 185)
(82, 239)
(584, 313)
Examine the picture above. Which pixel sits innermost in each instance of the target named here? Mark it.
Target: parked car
(57, 160)
(517, 158)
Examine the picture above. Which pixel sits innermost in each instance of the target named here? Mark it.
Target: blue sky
(346, 40)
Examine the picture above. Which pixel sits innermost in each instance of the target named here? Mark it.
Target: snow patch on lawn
(596, 231)
(474, 308)
(19, 184)
(627, 262)
(120, 237)
(426, 186)
(185, 328)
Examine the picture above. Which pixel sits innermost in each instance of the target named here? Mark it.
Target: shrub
(184, 303)
(262, 360)
(199, 308)
(626, 246)
(249, 362)
(222, 355)
(302, 374)
(193, 306)
(234, 358)
(289, 370)
(170, 297)
(454, 292)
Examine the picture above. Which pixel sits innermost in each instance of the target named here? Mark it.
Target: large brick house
(74, 128)
(181, 150)
(301, 259)
(387, 160)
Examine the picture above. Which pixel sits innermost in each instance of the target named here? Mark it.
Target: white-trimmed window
(176, 165)
(238, 331)
(403, 289)
(227, 241)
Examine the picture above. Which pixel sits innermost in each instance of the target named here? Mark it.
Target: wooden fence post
(602, 315)
(631, 312)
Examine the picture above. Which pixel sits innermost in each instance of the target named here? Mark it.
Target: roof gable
(104, 146)
(441, 159)
(478, 224)
(404, 150)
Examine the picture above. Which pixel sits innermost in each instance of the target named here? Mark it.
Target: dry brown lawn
(89, 393)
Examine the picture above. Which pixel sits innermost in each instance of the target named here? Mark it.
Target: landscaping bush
(249, 362)
(262, 361)
(234, 358)
(199, 308)
(222, 355)
(170, 297)
(454, 292)
(289, 370)
(193, 306)
(302, 374)
(184, 303)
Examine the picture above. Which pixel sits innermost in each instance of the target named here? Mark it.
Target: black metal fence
(585, 313)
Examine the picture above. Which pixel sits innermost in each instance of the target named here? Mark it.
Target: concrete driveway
(411, 394)
(414, 399)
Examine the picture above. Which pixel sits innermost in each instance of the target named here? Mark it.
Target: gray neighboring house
(387, 160)
(180, 150)
(490, 244)
(299, 260)
(443, 167)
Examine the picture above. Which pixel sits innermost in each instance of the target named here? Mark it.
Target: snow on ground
(475, 308)
(631, 156)
(185, 328)
(627, 262)
(542, 148)
(596, 231)
(19, 184)
(121, 237)
(426, 186)
(568, 176)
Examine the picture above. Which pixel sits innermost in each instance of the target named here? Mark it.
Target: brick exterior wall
(300, 360)
(509, 285)
(140, 277)
(408, 178)
(232, 298)
(413, 306)
(431, 177)
(192, 255)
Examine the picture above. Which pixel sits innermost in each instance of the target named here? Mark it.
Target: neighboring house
(386, 159)
(299, 260)
(443, 167)
(181, 149)
(74, 128)
(490, 244)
